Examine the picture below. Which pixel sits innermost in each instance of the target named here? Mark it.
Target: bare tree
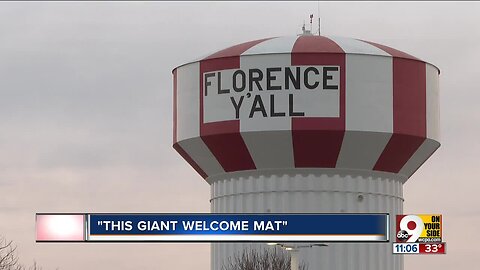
(266, 259)
(8, 255)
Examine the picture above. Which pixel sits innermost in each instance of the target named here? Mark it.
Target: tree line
(9, 259)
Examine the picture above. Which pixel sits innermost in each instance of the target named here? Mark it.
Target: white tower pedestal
(313, 191)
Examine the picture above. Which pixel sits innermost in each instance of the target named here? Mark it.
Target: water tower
(308, 124)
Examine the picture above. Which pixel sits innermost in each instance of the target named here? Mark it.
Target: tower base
(312, 191)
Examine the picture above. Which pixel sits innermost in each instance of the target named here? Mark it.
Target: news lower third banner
(212, 227)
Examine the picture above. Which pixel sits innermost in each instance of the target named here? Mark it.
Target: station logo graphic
(419, 228)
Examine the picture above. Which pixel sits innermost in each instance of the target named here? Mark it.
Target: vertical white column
(313, 191)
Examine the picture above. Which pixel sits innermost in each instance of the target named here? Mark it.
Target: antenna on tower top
(318, 14)
(306, 32)
(319, 26)
(311, 18)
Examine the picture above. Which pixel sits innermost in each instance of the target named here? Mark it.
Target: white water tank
(308, 124)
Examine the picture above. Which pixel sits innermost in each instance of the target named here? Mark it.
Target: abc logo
(410, 228)
(402, 235)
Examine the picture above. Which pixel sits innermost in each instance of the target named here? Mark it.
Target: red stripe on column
(409, 114)
(222, 127)
(218, 64)
(409, 97)
(223, 138)
(316, 44)
(397, 152)
(190, 161)
(316, 148)
(317, 140)
(175, 106)
(227, 145)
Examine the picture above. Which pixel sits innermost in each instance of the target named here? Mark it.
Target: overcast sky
(86, 114)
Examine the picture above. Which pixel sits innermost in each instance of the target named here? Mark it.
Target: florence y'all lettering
(295, 78)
